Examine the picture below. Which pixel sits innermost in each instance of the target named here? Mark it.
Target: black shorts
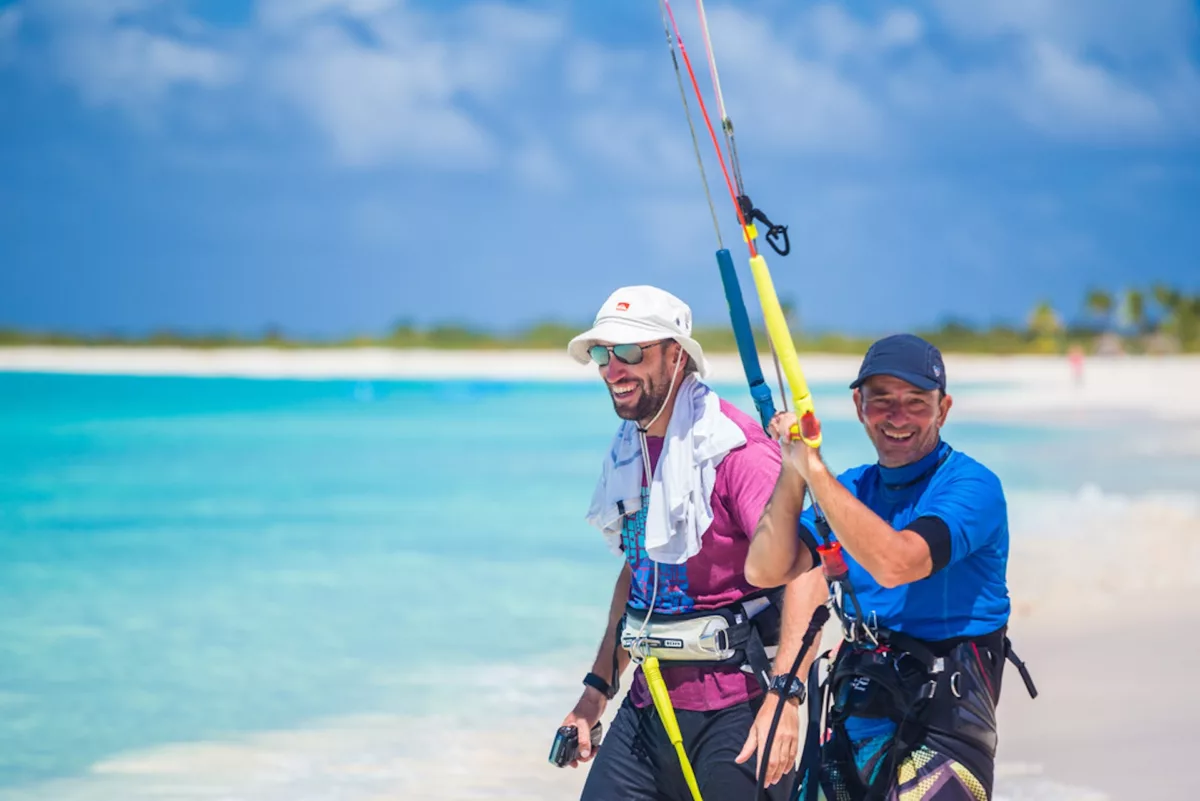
(636, 761)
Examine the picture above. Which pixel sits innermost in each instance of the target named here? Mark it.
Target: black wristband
(594, 681)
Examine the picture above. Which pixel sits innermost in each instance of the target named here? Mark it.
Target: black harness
(942, 689)
(945, 688)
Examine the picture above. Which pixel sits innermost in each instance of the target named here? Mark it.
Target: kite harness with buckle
(945, 688)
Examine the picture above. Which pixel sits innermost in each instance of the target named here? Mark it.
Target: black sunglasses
(628, 354)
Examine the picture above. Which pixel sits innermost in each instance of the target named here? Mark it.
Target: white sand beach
(1162, 387)
(1098, 621)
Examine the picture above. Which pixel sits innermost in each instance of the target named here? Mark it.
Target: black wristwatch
(796, 689)
(597, 683)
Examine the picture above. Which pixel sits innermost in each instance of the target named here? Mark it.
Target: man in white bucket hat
(681, 490)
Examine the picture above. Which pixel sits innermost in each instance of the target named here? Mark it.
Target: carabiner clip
(773, 233)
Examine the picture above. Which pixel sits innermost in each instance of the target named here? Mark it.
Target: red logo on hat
(622, 306)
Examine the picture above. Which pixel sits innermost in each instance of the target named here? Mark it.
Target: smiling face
(639, 390)
(902, 421)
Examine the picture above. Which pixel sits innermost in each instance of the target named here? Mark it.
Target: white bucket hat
(639, 314)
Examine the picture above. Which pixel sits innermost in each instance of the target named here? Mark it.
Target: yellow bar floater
(666, 712)
(809, 430)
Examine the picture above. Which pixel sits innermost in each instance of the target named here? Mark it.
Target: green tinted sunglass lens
(630, 354)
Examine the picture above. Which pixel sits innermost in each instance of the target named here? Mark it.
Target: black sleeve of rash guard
(936, 534)
(810, 541)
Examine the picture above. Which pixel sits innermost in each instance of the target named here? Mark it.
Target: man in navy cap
(923, 602)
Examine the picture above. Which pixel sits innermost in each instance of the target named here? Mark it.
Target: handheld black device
(565, 749)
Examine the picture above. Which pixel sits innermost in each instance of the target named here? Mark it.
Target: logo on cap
(937, 371)
(622, 306)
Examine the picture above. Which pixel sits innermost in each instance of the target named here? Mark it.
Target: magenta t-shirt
(713, 577)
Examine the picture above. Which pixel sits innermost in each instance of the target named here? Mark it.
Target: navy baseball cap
(907, 357)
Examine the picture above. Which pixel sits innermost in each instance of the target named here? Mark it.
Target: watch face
(779, 684)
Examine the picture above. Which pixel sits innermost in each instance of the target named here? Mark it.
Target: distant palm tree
(1045, 325)
(1135, 309)
(1100, 305)
(1181, 312)
(1044, 320)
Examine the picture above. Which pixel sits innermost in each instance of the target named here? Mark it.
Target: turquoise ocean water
(183, 560)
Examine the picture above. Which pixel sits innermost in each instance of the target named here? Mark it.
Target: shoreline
(1160, 388)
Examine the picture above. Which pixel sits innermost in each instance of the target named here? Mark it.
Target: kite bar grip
(809, 430)
(744, 334)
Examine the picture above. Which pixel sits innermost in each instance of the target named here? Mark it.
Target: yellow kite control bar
(809, 430)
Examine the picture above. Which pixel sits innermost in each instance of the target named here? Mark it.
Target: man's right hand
(783, 748)
(585, 714)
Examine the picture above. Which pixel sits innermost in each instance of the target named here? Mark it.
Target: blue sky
(332, 166)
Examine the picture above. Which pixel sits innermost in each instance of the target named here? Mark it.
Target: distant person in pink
(1075, 358)
(681, 491)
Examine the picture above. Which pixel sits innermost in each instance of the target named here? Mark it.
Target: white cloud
(387, 82)
(112, 60)
(134, 69)
(796, 103)
(379, 106)
(400, 88)
(82, 12)
(900, 28)
(381, 81)
(1121, 30)
(10, 25)
(1070, 98)
(1085, 70)
(621, 112)
(280, 15)
(500, 44)
(836, 33)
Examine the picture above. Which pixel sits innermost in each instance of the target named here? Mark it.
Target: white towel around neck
(698, 438)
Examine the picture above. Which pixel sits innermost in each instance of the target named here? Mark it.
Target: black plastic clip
(774, 232)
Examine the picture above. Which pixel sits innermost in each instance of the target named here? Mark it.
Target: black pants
(636, 761)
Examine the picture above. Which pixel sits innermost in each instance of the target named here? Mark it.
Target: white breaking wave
(1073, 554)
(380, 758)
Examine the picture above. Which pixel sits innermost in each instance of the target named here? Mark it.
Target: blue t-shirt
(958, 505)
(967, 593)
